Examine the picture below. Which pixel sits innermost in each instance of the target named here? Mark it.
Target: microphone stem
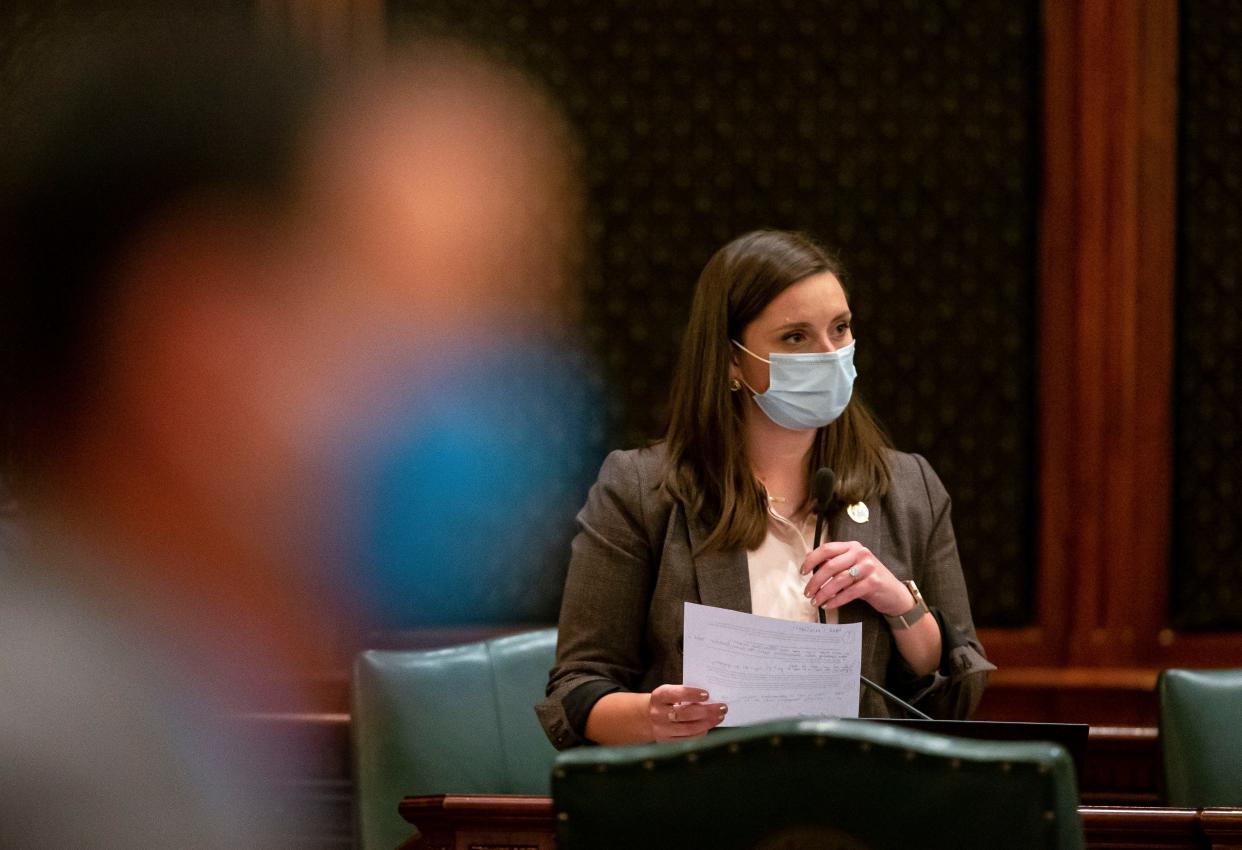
(819, 531)
(894, 698)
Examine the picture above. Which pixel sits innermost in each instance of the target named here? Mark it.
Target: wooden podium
(503, 822)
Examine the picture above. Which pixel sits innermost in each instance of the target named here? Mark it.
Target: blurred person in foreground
(720, 513)
(217, 262)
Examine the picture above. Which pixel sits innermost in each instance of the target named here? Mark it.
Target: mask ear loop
(754, 355)
(751, 353)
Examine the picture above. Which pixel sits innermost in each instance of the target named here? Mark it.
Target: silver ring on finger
(853, 571)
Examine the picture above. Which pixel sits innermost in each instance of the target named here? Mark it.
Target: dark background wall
(905, 136)
(915, 139)
(1206, 562)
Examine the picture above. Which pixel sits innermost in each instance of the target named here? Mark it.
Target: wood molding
(1197, 649)
(1086, 678)
(1101, 696)
(1125, 826)
(1223, 827)
(1124, 267)
(1106, 337)
(485, 822)
(1151, 409)
(1058, 217)
(1027, 647)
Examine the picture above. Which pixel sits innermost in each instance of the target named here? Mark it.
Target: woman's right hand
(676, 711)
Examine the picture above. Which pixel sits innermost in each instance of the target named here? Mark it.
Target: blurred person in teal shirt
(217, 260)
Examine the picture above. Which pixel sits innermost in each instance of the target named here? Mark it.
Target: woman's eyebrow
(789, 326)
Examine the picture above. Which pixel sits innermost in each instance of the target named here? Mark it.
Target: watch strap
(908, 618)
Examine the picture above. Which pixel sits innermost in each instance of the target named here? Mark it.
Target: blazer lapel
(868, 534)
(722, 576)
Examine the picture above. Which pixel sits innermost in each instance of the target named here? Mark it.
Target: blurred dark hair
(111, 120)
(708, 468)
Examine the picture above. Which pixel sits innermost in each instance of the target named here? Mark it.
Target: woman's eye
(842, 328)
(795, 337)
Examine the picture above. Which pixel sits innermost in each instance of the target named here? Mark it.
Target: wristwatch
(909, 618)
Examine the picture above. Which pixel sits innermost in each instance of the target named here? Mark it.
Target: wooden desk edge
(1119, 823)
(1222, 826)
(478, 806)
(447, 821)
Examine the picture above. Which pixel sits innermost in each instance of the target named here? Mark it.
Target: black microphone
(825, 482)
(821, 490)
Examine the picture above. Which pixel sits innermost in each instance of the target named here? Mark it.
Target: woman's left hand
(844, 570)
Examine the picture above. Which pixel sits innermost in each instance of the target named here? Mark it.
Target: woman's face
(811, 316)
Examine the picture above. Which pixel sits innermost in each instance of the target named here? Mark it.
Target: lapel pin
(858, 512)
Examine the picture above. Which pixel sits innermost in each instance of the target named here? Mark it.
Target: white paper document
(766, 669)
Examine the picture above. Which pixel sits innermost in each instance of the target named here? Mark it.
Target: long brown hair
(708, 470)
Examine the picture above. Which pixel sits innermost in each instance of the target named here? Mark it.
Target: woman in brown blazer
(719, 513)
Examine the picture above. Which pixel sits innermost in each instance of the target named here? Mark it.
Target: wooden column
(1105, 334)
(1123, 264)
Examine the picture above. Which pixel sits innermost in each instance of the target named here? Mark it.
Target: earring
(734, 385)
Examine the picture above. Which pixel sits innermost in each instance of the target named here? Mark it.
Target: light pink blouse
(776, 585)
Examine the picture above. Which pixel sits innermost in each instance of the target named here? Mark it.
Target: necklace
(798, 517)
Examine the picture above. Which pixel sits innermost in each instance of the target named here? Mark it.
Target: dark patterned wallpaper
(1206, 563)
(905, 135)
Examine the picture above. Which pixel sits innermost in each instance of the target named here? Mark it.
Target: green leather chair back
(1201, 736)
(818, 784)
(459, 720)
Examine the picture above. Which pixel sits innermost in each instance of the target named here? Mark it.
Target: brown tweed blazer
(631, 569)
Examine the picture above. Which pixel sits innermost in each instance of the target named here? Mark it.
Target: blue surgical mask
(806, 390)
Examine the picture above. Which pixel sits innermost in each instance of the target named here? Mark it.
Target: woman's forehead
(817, 298)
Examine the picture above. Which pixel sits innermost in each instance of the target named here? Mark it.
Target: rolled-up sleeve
(600, 647)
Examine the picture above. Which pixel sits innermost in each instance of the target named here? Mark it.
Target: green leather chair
(818, 784)
(459, 720)
(1201, 736)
